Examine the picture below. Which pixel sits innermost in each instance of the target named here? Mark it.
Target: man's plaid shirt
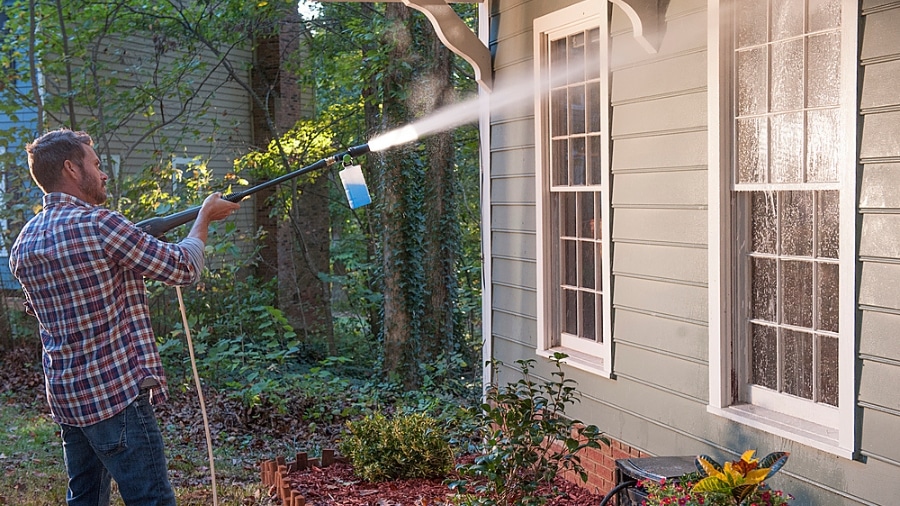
(82, 268)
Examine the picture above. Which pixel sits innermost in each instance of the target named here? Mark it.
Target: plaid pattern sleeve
(82, 269)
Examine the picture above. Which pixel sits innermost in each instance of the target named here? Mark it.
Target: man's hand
(214, 208)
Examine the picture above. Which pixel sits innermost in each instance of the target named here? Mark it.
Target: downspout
(484, 151)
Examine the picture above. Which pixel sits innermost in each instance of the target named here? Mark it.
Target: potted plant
(739, 483)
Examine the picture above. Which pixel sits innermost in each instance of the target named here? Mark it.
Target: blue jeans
(128, 448)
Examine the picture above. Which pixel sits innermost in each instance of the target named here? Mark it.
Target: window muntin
(571, 140)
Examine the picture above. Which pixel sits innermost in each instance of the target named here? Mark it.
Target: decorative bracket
(457, 36)
(646, 21)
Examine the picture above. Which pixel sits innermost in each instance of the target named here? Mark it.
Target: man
(82, 268)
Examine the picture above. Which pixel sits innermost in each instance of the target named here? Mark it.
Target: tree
(403, 73)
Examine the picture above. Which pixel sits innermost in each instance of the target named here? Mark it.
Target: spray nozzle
(358, 150)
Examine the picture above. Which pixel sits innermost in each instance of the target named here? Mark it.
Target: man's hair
(49, 152)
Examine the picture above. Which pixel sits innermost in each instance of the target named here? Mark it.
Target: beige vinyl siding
(220, 134)
(879, 242)
(657, 399)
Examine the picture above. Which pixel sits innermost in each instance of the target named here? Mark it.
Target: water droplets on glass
(752, 76)
(827, 380)
(823, 155)
(797, 287)
(763, 222)
(797, 378)
(764, 289)
(786, 147)
(787, 75)
(823, 70)
(824, 14)
(752, 152)
(827, 298)
(797, 223)
(787, 18)
(764, 356)
(828, 224)
(751, 22)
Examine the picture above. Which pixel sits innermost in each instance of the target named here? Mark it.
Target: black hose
(615, 491)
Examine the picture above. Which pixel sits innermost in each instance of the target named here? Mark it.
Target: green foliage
(737, 481)
(528, 439)
(405, 446)
(681, 491)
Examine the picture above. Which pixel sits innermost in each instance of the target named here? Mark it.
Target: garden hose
(209, 448)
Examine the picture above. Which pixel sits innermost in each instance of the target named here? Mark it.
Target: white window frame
(836, 436)
(114, 165)
(594, 357)
(181, 164)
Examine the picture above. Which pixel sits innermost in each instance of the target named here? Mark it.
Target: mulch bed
(337, 485)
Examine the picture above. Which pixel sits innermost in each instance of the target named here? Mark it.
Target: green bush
(406, 446)
(527, 440)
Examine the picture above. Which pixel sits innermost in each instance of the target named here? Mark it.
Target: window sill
(795, 429)
(579, 360)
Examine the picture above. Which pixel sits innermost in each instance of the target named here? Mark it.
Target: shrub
(406, 446)
(528, 439)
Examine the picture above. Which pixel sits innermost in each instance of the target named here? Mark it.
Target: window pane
(786, 146)
(797, 293)
(787, 18)
(823, 137)
(558, 124)
(787, 75)
(594, 107)
(764, 356)
(587, 264)
(595, 169)
(824, 14)
(559, 167)
(570, 262)
(592, 67)
(567, 218)
(570, 310)
(827, 299)
(752, 150)
(578, 161)
(828, 226)
(764, 289)
(558, 57)
(796, 223)
(824, 65)
(797, 366)
(576, 58)
(752, 81)
(752, 22)
(589, 330)
(764, 208)
(586, 215)
(598, 255)
(827, 376)
(576, 109)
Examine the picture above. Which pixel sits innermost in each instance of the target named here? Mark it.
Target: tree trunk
(400, 326)
(442, 234)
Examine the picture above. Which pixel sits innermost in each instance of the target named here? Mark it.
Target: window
(782, 359)
(571, 145)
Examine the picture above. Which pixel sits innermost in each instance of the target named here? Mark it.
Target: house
(703, 211)
(166, 103)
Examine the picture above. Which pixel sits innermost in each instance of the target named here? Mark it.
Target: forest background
(379, 307)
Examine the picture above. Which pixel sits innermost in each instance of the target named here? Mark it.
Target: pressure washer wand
(162, 224)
